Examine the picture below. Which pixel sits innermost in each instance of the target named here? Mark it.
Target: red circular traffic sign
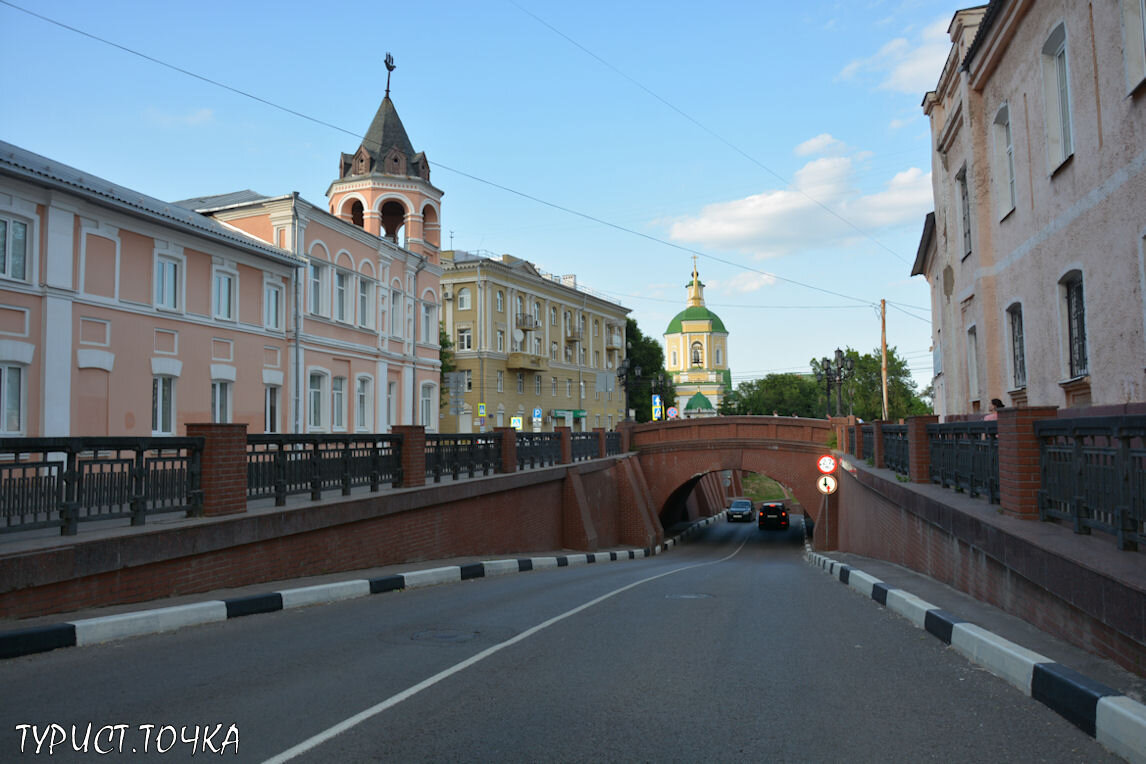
(827, 463)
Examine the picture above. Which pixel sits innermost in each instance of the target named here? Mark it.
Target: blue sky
(782, 141)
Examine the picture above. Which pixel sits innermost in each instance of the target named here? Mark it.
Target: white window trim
(365, 312)
(465, 301)
(972, 348)
(426, 407)
(1006, 182)
(1134, 43)
(368, 410)
(1055, 128)
(227, 387)
(338, 409)
(468, 332)
(275, 425)
(155, 431)
(349, 296)
(219, 272)
(31, 255)
(323, 399)
(319, 291)
(270, 285)
(180, 261)
(21, 404)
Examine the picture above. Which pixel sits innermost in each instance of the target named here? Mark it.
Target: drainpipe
(296, 284)
(416, 393)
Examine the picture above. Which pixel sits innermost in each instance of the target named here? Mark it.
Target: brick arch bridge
(675, 454)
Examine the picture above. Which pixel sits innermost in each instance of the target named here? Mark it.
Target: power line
(461, 173)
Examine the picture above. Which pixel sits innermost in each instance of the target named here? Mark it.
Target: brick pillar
(877, 444)
(413, 454)
(626, 430)
(223, 468)
(1019, 476)
(602, 444)
(566, 434)
(858, 430)
(918, 448)
(508, 448)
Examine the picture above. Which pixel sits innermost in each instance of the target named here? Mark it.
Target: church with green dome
(696, 355)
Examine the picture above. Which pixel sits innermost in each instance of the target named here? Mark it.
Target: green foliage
(446, 356)
(762, 488)
(863, 394)
(780, 394)
(646, 352)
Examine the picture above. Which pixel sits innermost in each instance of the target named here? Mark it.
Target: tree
(863, 392)
(783, 394)
(647, 353)
(446, 356)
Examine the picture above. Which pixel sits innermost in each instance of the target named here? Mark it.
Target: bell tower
(384, 187)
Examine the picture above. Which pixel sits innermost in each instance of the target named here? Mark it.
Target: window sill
(1062, 165)
(1007, 214)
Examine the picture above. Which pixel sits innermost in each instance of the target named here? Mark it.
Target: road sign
(827, 484)
(537, 413)
(515, 422)
(827, 463)
(481, 409)
(673, 413)
(658, 409)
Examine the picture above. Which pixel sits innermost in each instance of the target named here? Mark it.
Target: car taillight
(783, 514)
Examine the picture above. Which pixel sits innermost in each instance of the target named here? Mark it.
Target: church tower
(696, 355)
(384, 187)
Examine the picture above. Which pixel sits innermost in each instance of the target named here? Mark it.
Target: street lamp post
(835, 373)
(628, 374)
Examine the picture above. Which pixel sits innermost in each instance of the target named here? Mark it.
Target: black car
(740, 509)
(773, 515)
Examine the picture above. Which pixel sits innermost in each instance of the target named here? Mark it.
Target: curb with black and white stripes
(91, 631)
(1116, 721)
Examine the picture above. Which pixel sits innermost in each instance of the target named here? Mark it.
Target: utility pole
(883, 352)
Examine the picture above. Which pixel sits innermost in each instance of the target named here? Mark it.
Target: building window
(14, 250)
(338, 403)
(365, 307)
(553, 386)
(568, 388)
(553, 316)
(464, 300)
(537, 346)
(972, 364)
(521, 382)
(341, 283)
(273, 307)
(392, 403)
(223, 295)
(362, 404)
(271, 409)
(316, 280)
(469, 380)
(429, 323)
(596, 328)
(596, 359)
(553, 351)
(162, 405)
(1134, 42)
(719, 358)
(674, 359)
(697, 354)
(501, 381)
(581, 356)
(395, 313)
(12, 398)
(1018, 351)
(465, 339)
(500, 301)
(167, 283)
(520, 303)
(316, 392)
(1056, 98)
(501, 340)
(221, 402)
(428, 406)
(537, 384)
(1076, 324)
(581, 390)
(964, 210)
(1004, 161)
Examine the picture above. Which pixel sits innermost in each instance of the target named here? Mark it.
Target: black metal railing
(454, 454)
(584, 446)
(867, 436)
(965, 456)
(895, 450)
(538, 449)
(851, 440)
(50, 482)
(1094, 475)
(285, 465)
(612, 443)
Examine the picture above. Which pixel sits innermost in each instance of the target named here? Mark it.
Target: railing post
(70, 509)
(918, 448)
(602, 442)
(138, 484)
(508, 448)
(857, 428)
(1020, 476)
(375, 466)
(223, 467)
(413, 454)
(346, 468)
(566, 434)
(315, 470)
(878, 456)
(280, 464)
(195, 475)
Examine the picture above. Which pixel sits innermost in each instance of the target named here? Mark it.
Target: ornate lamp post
(628, 374)
(835, 373)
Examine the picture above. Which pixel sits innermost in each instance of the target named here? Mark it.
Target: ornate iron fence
(965, 456)
(538, 449)
(284, 465)
(1094, 475)
(851, 440)
(895, 450)
(584, 445)
(454, 454)
(612, 443)
(49, 482)
(867, 434)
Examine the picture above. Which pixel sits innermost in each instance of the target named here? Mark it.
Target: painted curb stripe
(524, 565)
(238, 607)
(562, 562)
(320, 594)
(90, 631)
(879, 593)
(1122, 727)
(845, 573)
(940, 623)
(1003, 658)
(37, 640)
(387, 584)
(1073, 696)
(473, 570)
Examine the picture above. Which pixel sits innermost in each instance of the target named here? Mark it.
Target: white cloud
(823, 207)
(907, 66)
(188, 119)
(821, 144)
(745, 283)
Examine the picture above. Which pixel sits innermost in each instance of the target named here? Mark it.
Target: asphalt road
(728, 648)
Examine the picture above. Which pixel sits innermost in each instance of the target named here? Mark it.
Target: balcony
(614, 341)
(527, 322)
(573, 334)
(527, 362)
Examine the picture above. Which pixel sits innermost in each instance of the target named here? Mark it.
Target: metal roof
(220, 201)
(25, 165)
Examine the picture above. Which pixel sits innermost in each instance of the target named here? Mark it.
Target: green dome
(698, 402)
(695, 313)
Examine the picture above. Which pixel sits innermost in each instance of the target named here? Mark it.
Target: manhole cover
(688, 596)
(444, 636)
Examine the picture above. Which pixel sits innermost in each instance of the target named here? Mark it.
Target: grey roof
(34, 168)
(385, 131)
(219, 201)
(918, 268)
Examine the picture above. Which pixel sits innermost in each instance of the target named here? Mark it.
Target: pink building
(1036, 251)
(126, 315)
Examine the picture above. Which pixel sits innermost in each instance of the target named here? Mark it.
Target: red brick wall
(223, 476)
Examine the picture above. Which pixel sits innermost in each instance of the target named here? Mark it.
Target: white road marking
(353, 721)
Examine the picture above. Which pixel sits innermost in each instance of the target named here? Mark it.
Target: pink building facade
(1036, 251)
(122, 314)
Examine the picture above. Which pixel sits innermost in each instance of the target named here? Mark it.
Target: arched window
(463, 299)
(356, 214)
(697, 354)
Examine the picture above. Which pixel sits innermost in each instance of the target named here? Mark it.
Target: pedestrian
(996, 406)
